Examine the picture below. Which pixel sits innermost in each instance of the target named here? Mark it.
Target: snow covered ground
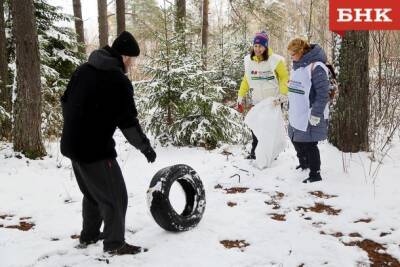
(345, 220)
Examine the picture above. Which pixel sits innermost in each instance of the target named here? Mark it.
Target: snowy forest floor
(267, 218)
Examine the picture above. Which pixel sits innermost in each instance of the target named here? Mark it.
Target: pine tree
(102, 21)
(162, 93)
(205, 121)
(27, 110)
(79, 24)
(349, 124)
(228, 56)
(204, 31)
(180, 16)
(58, 59)
(5, 89)
(120, 11)
(182, 101)
(138, 20)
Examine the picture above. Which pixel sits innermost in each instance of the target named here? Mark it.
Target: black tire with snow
(160, 206)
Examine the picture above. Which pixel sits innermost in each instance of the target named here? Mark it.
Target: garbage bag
(266, 121)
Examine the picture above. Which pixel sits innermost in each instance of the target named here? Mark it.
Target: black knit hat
(126, 45)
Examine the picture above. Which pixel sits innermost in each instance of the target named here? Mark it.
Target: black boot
(303, 164)
(84, 243)
(314, 177)
(127, 249)
(251, 156)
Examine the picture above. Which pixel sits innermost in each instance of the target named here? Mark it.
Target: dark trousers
(253, 144)
(105, 199)
(308, 155)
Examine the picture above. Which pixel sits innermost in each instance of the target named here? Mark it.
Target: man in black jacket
(98, 99)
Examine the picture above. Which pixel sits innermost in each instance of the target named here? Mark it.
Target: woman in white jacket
(308, 104)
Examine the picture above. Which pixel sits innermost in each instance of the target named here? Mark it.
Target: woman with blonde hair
(308, 104)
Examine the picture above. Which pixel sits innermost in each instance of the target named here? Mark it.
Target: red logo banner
(346, 15)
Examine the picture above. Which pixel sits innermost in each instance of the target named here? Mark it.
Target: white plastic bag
(266, 122)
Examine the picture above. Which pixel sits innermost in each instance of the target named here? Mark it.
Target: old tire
(159, 203)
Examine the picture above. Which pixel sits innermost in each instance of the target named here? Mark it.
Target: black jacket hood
(106, 59)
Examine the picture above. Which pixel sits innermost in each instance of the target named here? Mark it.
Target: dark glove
(150, 154)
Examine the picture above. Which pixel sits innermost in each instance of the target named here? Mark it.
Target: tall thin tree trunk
(380, 65)
(120, 6)
(180, 24)
(204, 32)
(5, 90)
(180, 15)
(103, 23)
(204, 43)
(349, 124)
(133, 15)
(167, 43)
(333, 48)
(79, 24)
(27, 115)
(310, 22)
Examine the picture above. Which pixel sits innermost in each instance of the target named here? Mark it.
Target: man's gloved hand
(314, 120)
(280, 99)
(150, 154)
